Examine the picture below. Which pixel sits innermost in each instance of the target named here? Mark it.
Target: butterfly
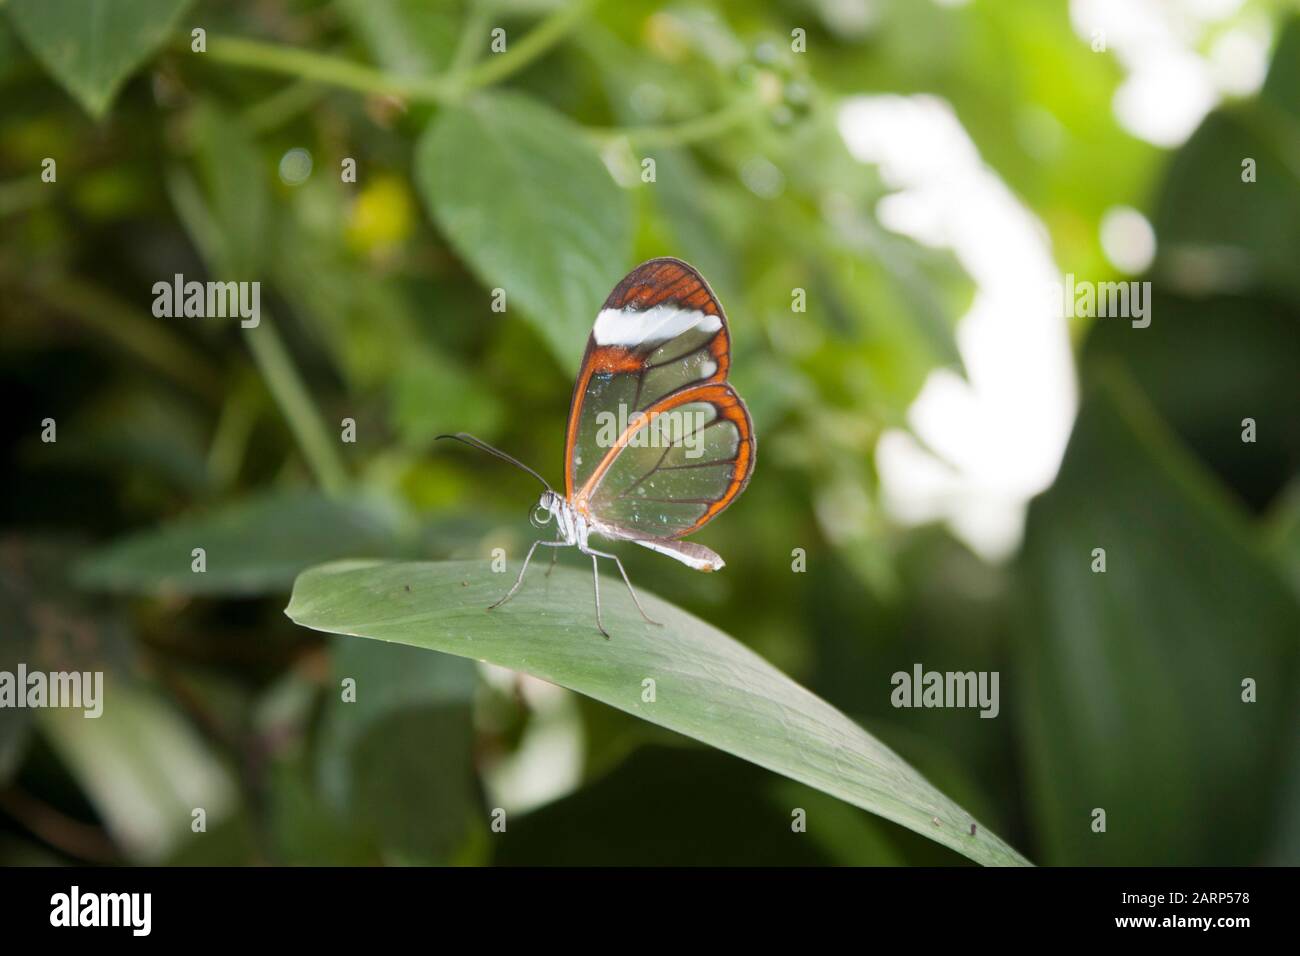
(658, 443)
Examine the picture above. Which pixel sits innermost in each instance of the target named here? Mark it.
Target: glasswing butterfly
(658, 443)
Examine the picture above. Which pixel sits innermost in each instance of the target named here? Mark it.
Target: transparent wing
(689, 553)
(660, 330)
(677, 467)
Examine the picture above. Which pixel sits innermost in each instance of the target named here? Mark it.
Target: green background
(479, 170)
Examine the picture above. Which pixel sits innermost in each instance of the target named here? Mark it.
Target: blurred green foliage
(521, 171)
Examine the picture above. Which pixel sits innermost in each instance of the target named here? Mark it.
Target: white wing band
(630, 328)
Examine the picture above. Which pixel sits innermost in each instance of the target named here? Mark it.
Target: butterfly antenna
(473, 442)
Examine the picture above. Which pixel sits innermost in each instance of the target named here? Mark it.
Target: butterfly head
(547, 507)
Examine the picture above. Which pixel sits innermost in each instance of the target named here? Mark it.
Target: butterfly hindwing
(683, 466)
(658, 442)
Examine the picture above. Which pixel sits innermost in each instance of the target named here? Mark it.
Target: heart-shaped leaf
(684, 675)
(407, 37)
(525, 200)
(92, 46)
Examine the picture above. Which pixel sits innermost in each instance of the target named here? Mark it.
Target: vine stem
(691, 131)
(269, 354)
(323, 68)
(536, 42)
(463, 77)
(291, 395)
(280, 107)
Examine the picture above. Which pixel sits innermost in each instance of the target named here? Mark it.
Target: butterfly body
(658, 443)
(574, 525)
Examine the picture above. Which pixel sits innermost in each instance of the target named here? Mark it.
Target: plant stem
(291, 61)
(269, 354)
(468, 43)
(691, 131)
(540, 39)
(230, 439)
(290, 394)
(323, 68)
(282, 106)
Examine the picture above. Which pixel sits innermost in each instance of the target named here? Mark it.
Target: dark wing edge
(654, 282)
(731, 407)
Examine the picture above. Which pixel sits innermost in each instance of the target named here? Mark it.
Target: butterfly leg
(554, 556)
(524, 570)
(635, 599)
(595, 577)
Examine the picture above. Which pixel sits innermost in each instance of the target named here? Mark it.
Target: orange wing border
(652, 283)
(731, 407)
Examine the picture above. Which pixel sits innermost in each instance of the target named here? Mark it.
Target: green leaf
(237, 178)
(48, 625)
(253, 547)
(12, 55)
(1208, 363)
(1282, 86)
(405, 702)
(681, 194)
(1283, 543)
(297, 824)
(143, 767)
(92, 46)
(693, 807)
(1134, 676)
(707, 685)
(407, 37)
(142, 436)
(1284, 534)
(1246, 242)
(527, 203)
(432, 395)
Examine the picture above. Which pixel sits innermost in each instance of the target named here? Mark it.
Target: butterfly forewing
(658, 443)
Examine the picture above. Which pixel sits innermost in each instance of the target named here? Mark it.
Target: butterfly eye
(540, 516)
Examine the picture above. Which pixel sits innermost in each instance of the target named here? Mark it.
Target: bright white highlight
(1170, 85)
(1127, 239)
(547, 764)
(1239, 58)
(998, 436)
(628, 327)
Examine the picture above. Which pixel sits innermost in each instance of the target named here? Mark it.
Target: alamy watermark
(922, 688)
(208, 300)
(660, 430)
(1080, 298)
(73, 689)
(74, 908)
